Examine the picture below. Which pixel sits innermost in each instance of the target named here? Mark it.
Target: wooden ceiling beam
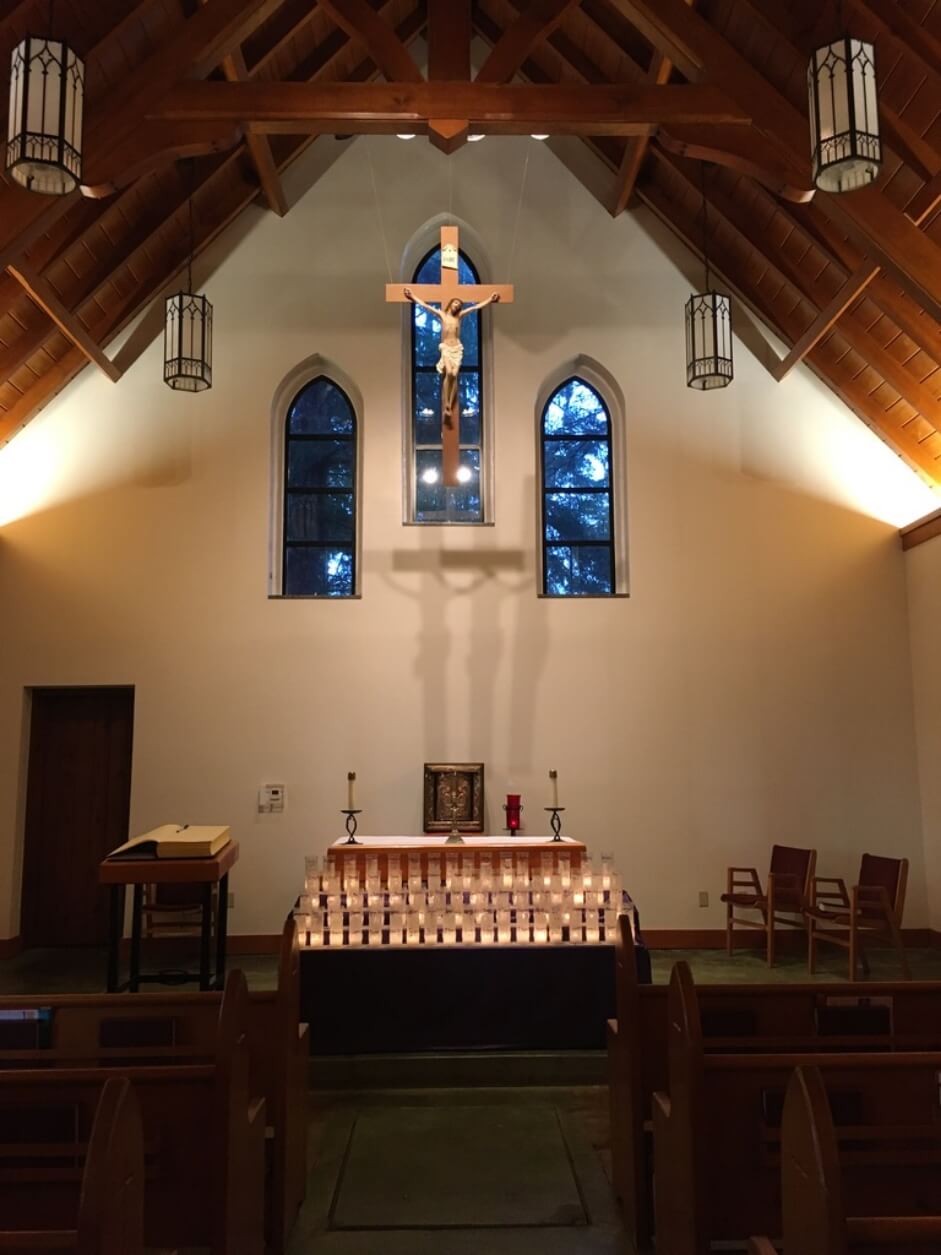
(360, 21)
(618, 109)
(153, 145)
(449, 40)
(687, 228)
(63, 371)
(528, 29)
(896, 243)
(917, 38)
(635, 150)
(849, 291)
(42, 294)
(196, 47)
(745, 222)
(267, 41)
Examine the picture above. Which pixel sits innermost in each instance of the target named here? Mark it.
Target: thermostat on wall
(271, 799)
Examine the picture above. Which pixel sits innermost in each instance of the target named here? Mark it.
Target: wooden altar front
(472, 854)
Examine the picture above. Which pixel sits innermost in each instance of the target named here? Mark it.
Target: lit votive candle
(461, 921)
(449, 930)
(376, 923)
(541, 926)
(413, 928)
(485, 924)
(591, 927)
(396, 925)
(555, 926)
(315, 928)
(356, 928)
(578, 897)
(503, 926)
(335, 925)
(610, 924)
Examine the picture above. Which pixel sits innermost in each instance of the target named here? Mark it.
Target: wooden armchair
(872, 907)
(783, 902)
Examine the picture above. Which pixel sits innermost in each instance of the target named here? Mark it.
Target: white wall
(923, 565)
(755, 687)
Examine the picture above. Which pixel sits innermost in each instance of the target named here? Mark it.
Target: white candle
(350, 803)
(554, 777)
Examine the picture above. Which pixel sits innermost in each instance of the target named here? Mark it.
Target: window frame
(425, 240)
(302, 376)
(589, 372)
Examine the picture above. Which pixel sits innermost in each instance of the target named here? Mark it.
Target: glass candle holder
(356, 928)
(396, 927)
(572, 922)
(541, 926)
(578, 897)
(457, 884)
(394, 878)
(315, 927)
(565, 871)
(432, 924)
(507, 875)
(435, 900)
(396, 901)
(610, 924)
(418, 899)
(461, 921)
(334, 901)
(504, 926)
(372, 865)
(335, 927)
(311, 866)
(485, 878)
(373, 885)
(485, 925)
(351, 880)
(555, 926)
(376, 924)
(449, 928)
(592, 933)
(413, 928)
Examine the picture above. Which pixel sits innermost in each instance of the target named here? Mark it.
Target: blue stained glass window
(433, 502)
(577, 494)
(319, 542)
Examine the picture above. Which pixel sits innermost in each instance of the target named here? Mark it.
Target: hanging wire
(705, 225)
(192, 186)
(382, 229)
(516, 224)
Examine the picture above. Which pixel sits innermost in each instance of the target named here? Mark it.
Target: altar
(414, 944)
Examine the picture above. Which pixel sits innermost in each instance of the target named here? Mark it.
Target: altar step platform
(414, 946)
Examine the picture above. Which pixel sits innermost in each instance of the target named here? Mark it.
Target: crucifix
(450, 295)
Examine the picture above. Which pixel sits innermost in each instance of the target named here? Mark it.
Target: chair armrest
(751, 879)
(837, 895)
(870, 895)
(761, 1246)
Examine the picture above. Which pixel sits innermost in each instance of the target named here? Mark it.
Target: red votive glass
(512, 809)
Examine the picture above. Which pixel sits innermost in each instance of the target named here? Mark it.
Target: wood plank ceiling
(851, 284)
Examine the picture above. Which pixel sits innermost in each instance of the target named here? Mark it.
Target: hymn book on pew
(175, 841)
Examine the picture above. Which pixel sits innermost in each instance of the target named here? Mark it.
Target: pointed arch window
(430, 500)
(578, 515)
(319, 493)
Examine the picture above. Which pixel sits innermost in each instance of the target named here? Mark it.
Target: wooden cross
(441, 293)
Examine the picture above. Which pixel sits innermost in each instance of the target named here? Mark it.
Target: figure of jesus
(452, 350)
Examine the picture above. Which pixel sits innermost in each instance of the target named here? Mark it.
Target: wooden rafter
(530, 28)
(210, 223)
(512, 109)
(449, 40)
(701, 52)
(917, 39)
(360, 21)
(42, 293)
(635, 150)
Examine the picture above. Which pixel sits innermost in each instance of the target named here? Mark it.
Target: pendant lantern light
(187, 333)
(708, 327)
(44, 128)
(846, 151)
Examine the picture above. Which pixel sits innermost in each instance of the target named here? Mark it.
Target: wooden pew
(110, 1213)
(164, 1028)
(871, 1016)
(814, 1218)
(717, 1132)
(204, 1138)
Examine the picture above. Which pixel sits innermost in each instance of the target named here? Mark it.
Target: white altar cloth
(439, 840)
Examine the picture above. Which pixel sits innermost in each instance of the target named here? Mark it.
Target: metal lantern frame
(708, 326)
(187, 331)
(846, 148)
(44, 130)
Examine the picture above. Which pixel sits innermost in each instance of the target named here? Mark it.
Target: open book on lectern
(175, 841)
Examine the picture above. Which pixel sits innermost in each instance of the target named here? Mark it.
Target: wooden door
(77, 809)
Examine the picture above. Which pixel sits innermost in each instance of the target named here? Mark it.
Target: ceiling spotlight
(539, 137)
(472, 139)
(430, 475)
(405, 137)
(463, 474)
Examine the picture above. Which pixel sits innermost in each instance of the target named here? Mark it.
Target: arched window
(578, 518)
(432, 502)
(318, 542)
